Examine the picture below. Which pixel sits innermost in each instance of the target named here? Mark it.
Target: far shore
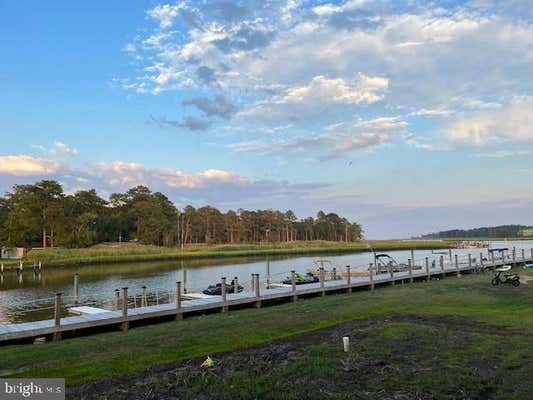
(103, 254)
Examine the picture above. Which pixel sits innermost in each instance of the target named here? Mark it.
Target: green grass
(132, 253)
(90, 358)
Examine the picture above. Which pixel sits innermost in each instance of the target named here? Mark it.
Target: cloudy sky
(408, 116)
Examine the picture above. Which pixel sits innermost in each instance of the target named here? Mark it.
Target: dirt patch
(399, 357)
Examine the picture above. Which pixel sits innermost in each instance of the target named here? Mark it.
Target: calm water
(28, 296)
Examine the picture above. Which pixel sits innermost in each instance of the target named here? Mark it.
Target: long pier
(179, 307)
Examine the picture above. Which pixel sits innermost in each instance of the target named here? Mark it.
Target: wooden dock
(259, 296)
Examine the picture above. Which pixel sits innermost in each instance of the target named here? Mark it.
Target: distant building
(14, 253)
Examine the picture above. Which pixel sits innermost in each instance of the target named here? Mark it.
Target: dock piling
(235, 285)
(410, 263)
(469, 261)
(125, 324)
(144, 299)
(457, 265)
(179, 314)
(224, 295)
(427, 270)
(257, 292)
(349, 279)
(116, 299)
(293, 285)
(321, 277)
(391, 272)
(57, 317)
(371, 270)
(76, 288)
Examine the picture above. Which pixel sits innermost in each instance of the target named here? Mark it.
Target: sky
(407, 116)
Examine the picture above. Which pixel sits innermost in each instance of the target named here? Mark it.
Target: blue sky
(409, 117)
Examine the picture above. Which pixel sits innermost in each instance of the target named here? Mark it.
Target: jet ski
(302, 279)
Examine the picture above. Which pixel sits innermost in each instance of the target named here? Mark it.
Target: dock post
(143, 297)
(492, 258)
(252, 283)
(371, 270)
(441, 260)
(410, 262)
(235, 285)
(427, 269)
(334, 274)
(116, 299)
(481, 262)
(125, 324)
(514, 254)
(179, 313)
(293, 285)
(391, 272)
(349, 279)
(523, 254)
(457, 265)
(413, 255)
(321, 276)
(76, 288)
(532, 253)
(469, 262)
(450, 252)
(224, 295)
(257, 292)
(57, 317)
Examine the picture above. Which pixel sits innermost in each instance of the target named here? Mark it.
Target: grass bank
(469, 299)
(133, 253)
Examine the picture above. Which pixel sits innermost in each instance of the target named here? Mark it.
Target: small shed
(13, 253)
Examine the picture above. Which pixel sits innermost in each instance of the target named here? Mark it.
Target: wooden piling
(179, 313)
(235, 285)
(223, 289)
(257, 292)
(371, 270)
(116, 299)
(492, 258)
(450, 253)
(441, 261)
(125, 324)
(469, 261)
(57, 317)
(348, 279)
(481, 262)
(391, 272)
(76, 288)
(321, 277)
(410, 263)
(293, 285)
(457, 265)
(514, 254)
(334, 274)
(523, 254)
(144, 299)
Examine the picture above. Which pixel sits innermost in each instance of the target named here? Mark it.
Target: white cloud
(24, 165)
(511, 124)
(65, 148)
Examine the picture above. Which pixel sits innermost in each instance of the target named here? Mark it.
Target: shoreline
(56, 257)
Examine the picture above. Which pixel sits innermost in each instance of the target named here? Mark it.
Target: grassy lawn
(467, 301)
(131, 252)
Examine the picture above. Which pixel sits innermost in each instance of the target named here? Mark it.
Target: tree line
(501, 231)
(41, 214)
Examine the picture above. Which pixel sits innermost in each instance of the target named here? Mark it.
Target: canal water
(29, 296)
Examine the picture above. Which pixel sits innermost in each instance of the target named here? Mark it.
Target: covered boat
(216, 290)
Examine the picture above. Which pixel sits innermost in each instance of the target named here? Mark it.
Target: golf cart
(511, 278)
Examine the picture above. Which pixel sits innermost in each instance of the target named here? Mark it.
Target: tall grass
(137, 252)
